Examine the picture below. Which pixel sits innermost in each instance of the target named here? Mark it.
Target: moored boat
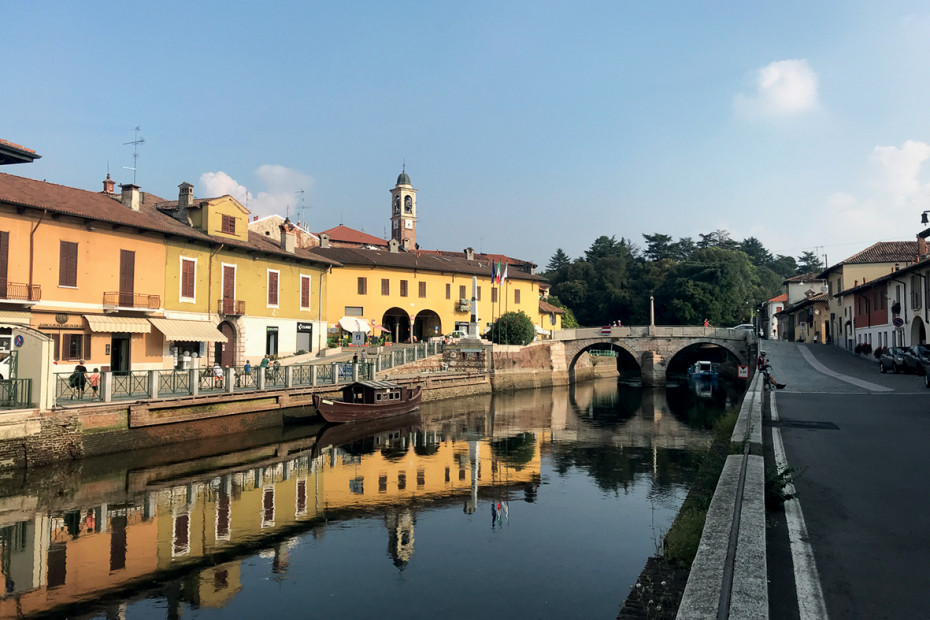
(369, 400)
(702, 370)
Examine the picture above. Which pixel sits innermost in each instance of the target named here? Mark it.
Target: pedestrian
(706, 323)
(363, 356)
(95, 382)
(217, 375)
(355, 358)
(265, 361)
(78, 379)
(247, 371)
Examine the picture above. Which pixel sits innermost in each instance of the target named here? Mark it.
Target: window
(67, 264)
(493, 295)
(422, 289)
(75, 346)
(229, 224)
(462, 292)
(408, 204)
(188, 275)
(385, 286)
(363, 286)
(516, 296)
(403, 288)
(272, 288)
(304, 292)
(479, 294)
(354, 311)
(448, 291)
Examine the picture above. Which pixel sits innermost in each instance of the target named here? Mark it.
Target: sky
(526, 127)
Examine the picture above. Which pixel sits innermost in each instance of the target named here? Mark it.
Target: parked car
(917, 359)
(748, 327)
(453, 337)
(892, 358)
(5, 366)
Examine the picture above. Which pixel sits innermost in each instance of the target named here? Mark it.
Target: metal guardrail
(137, 385)
(15, 393)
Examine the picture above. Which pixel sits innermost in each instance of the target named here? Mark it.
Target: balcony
(231, 307)
(20, 294)
(116, 301)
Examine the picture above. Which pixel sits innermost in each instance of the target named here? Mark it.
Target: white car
(5, 367)
(749, 327)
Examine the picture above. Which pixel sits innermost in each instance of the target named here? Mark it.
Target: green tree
(512, 328)
(658, 247)
(756, 252)
(785, 266)
(568, 319)
(808, 262)
(718, 239)
(603, 247)
(715, 284)
(558, 261)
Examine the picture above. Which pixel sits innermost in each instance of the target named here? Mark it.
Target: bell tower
(404, 212)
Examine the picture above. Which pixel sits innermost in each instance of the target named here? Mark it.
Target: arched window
(396, 204)
(408, 204)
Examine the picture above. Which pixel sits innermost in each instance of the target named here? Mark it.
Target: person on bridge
(706, 323)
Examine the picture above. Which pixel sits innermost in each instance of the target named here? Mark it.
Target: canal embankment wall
(29, 438)
(728, 577)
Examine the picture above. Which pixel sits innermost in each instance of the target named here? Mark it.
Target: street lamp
(923, 217)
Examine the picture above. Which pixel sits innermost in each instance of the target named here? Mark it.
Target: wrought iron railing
(16, 393)
(231, 307)
(174, 382)
(16, 291)
(118, 299)
(132, 384)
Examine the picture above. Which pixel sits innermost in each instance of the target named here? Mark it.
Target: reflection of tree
(614, 469)
(515, 451)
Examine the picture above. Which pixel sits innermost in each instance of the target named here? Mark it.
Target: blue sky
(525, 126)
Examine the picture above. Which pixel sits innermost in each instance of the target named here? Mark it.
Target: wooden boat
(369, 400)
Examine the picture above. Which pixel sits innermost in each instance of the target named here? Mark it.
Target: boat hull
(339, 411)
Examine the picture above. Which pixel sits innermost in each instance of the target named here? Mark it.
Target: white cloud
(782, 88)
(897, 177)
(280, 194)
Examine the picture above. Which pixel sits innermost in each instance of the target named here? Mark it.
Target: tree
(658, 247)
(756, 252)
(568, 319)
(718, 239)
(603, 247)
(808, 262)
(512, 328)
(559, 260)
(715, 284)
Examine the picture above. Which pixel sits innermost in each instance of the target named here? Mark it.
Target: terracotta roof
(885, 252)
(12, 153)
(32, 194)
(547, 308)
(804, 277)
(418, 259)
(782, 297)
(344, 234)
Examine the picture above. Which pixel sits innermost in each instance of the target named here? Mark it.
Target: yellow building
(416, 294)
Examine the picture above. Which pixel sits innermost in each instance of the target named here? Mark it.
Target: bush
(512, 328)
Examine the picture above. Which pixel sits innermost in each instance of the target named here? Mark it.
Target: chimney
(922, 247)
(393, 246)
(288, 236)
(109, 185)
(129, 196)
(469, 254)
(185, 200)
(324, 240)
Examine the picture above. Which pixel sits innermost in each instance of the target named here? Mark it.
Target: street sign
(742, 371)
(898, 321)
(18, 340)
(605, 331)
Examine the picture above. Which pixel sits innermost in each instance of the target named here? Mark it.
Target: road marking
(811, 605)
(868, 385)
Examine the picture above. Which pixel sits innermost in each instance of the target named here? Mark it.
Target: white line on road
(811, 605)
(868, 385)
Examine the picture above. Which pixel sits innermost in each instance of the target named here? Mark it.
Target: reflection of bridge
(652, 347)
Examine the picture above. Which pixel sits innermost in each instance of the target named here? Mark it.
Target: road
(859, 441)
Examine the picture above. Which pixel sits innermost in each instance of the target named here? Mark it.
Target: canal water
(533, 504)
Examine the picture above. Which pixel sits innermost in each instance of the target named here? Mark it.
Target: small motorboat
(702, 370)
(369, 400)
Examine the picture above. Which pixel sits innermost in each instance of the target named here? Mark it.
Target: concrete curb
(708, 589)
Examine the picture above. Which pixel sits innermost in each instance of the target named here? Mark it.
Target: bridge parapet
(655, 331)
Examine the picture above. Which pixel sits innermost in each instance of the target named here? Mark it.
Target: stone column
(153, 384)
(653, 369)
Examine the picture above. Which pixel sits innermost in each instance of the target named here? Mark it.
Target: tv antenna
(135, 142)
(300, 204)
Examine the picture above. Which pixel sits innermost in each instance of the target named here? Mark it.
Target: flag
(498, 272)
(493, 272)
(505, 274)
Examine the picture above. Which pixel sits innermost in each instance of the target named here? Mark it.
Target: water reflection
(179, 523)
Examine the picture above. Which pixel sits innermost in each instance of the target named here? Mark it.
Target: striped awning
(179, 330)
(14, 316)
(117, 324)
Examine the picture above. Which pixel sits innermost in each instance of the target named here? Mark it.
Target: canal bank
(79, 428)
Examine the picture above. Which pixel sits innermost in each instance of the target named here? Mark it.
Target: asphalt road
(862, 486)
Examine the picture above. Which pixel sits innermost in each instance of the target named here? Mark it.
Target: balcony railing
(131, 300)
(18, 292)
(233, 307)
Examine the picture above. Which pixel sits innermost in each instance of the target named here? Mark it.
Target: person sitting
(768, 377)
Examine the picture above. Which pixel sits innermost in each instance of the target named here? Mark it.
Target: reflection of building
(400, 524)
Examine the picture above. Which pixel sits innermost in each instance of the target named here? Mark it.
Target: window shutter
(305, 292)
(87, 347)
(272, 288)
(56, 340)
(67, 264)
(187, 278)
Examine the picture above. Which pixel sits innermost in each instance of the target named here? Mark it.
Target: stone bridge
(652, 346)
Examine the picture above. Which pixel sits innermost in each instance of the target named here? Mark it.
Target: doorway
(120, 353)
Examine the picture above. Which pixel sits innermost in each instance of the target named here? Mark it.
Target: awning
(179, 330)
(114, 324)
(14, 316)
(354, 324)
(540, 331)
(381, 327)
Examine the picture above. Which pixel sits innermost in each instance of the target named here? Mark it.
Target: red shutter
(4, 254)
(187, 278)
(127, 277)
(229, 282)
(67, 264)
(272, 288)
(305, 292)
